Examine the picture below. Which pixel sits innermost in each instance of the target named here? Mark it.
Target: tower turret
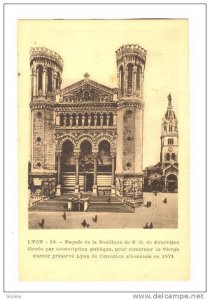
(46, 72)
(130, 108)
(130, 66)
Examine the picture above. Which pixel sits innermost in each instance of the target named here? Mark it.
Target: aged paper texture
(103, 150)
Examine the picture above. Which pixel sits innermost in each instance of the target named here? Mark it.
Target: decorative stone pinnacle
(86, 75)
(169, 100)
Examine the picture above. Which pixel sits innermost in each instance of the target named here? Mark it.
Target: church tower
(46, 69)
(169, 149)
(130, 109)
(169, 137)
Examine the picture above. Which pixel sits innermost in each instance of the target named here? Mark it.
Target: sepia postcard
(103, 150)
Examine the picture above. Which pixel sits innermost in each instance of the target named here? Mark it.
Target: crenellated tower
(130, 109)
(46, 73)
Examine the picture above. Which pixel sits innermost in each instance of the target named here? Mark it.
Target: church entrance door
(89, 182)
(172, 183)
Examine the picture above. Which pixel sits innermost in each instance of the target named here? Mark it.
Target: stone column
(89, 120)
(83, 120)
(113, 189)
(165, 185)
(125, 72)
(134, 80)
(57, 119)
(77, 120)
(115, 119)
(64, 120)
(44, 82)
(76, 191)
(54, 81)
(58, 188)
(119, 80)
(70, 120)
(34, 83)
(95, 119)
(101, 120)
(95, 190)
(108, 119)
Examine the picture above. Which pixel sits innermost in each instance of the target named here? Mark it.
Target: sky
(90, 45)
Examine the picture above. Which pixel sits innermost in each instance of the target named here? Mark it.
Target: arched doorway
(86, 164)
(77, 206)
(155, 186)
(171, 183)
(104, 168)
(104, 157)
(68, 158)
(68, 167)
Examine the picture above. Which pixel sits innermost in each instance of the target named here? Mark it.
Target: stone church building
(88, 137)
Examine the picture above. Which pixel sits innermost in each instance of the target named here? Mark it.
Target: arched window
(39, 74)
(58, 81)
(138, 74)
(104, 157)
(73, 120)
(167, 156)
(49, 80)
(130, 77)
(67, 120)
(92, 119)
(170, 141)
(111, 119)
(86, 158)
(104, 119)
(86, 120)
(121, 80)
(62, 120)
(68, 158)
(173, 156)
(98, 119)
(80, 120)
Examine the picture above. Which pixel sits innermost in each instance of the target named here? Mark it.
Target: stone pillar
(83, 120)
(115, 119)
(44, 82)
(113, 190)
(108, 119)
(101, 120)
(64, 120)
(89, 120)
(134, 80)
(54, 81)
(77, 120)
(95, 192)
(125, 81)
(34, 84)
(58, 187)
(76, 191)
(95, 119)
(70, 120)
(165, 185)
(119, 80)
(57, 119)
(86, 203)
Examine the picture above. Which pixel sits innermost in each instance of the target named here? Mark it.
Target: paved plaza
(162, 215)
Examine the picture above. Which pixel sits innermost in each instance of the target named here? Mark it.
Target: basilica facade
(87, 137)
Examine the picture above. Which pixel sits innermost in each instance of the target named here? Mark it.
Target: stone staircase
(96, 204)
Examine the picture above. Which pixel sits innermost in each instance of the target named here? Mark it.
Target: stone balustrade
(85, 120)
